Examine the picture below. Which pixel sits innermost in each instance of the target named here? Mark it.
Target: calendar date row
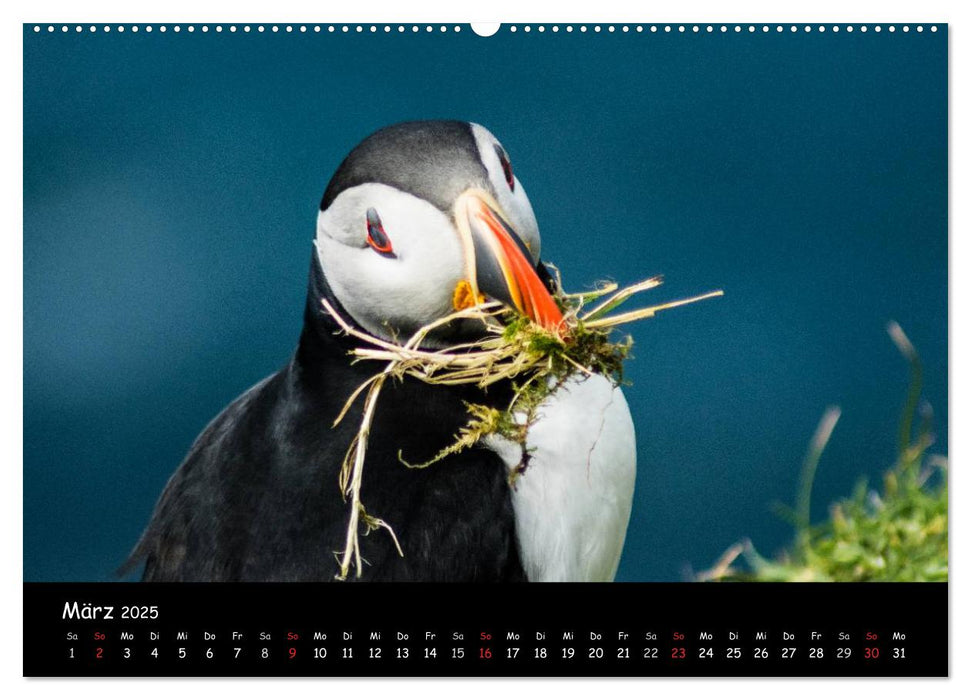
(485, 653)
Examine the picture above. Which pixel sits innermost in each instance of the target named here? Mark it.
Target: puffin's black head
(423, 218)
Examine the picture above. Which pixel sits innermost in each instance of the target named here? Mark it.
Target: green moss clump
(583, 349)
(513, 349)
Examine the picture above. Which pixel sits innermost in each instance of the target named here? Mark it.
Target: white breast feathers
(573, 500)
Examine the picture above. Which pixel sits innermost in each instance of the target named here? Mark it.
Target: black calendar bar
(620, 629)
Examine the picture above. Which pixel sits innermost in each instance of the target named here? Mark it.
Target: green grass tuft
(895, 533)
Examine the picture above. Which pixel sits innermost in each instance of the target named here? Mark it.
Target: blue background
(171, 184)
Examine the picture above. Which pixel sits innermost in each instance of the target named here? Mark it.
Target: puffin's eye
(506, 167)
(376, 237)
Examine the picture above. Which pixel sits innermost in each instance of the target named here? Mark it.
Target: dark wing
(257, 498)
(193, 534)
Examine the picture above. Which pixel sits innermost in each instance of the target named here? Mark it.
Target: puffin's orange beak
(500, 264)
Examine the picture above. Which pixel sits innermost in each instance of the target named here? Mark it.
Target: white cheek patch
(389, 296)
(337, 222)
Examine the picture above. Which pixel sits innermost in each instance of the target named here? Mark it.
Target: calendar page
(494, 350)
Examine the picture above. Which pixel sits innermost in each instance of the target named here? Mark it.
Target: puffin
(416, 216)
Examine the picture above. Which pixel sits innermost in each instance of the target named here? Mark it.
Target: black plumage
(257, 498)
(409, 157)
